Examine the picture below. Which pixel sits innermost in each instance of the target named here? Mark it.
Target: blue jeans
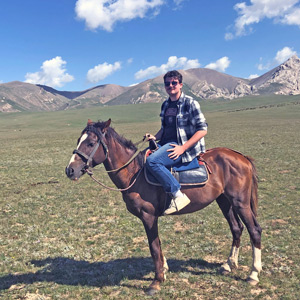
(159, 165)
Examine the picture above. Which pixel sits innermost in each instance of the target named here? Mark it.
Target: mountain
(201, 83)
(282, 80)
(98, 94)
(20, 96)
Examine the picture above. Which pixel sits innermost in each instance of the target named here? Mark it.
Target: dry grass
(66, 240)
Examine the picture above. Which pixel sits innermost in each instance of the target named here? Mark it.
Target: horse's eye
(91, 144)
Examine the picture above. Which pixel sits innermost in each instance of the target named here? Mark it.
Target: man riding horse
(181, 138)
(232, 181)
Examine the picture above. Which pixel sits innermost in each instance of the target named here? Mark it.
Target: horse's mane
(110, 133)
(128, 144)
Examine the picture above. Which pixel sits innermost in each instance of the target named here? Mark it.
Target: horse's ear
(106, 125)
(90, 122)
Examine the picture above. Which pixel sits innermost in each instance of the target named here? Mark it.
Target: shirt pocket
(183, 120)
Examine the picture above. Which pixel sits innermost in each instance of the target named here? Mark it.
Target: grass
(66, 240)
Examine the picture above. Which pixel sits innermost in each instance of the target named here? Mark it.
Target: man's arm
(178, 150)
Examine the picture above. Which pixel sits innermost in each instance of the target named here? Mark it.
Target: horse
(232, 183)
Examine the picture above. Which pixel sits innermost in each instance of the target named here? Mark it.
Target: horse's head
(91, 149)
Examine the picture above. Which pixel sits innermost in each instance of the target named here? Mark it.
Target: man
(181, 138)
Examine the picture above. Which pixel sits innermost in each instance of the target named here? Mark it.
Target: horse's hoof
(151, 291)
(223, 271)
(252, 281)
(153, 288)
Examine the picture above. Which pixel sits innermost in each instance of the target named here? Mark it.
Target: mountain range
(201, 83)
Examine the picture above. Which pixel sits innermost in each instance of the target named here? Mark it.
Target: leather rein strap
(89, 159)
(89, 172)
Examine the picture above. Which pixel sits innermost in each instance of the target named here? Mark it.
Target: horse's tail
(254, 187)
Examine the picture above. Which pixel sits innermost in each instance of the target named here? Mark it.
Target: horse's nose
(69, 172)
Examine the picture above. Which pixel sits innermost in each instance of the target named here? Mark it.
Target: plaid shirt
(189, 120)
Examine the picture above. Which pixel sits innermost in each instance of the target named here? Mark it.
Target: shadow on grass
(68, 271)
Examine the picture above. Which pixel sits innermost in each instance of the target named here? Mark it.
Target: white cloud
(262, 67)
(220, 65)
(178, 4)
(105, 13)
(252, 76)
(283, 11)
(292, 18)
(130, 61)
(134, 84)
(52, 73)
(281, 56)
(229, 36)
(284, 54)
(101, 71)
(174, 62)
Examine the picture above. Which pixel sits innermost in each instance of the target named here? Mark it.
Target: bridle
(89, 158)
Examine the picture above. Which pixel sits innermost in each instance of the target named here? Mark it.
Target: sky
(75, 45)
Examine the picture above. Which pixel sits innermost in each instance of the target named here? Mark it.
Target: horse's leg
(236, 228)
(248, 218)
(151, 227)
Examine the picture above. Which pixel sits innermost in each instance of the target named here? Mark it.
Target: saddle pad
(197, 176)
(194, 164)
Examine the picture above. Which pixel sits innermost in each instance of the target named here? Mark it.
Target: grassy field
(66, 240)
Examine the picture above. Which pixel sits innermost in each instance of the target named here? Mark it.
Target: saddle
(193, 173)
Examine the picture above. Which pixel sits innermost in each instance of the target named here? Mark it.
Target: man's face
(173, 87)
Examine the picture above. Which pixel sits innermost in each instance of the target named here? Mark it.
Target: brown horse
(232, 183)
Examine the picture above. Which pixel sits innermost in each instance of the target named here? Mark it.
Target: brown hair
(173, 73)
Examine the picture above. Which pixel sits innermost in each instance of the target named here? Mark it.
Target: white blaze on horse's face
(83, 138)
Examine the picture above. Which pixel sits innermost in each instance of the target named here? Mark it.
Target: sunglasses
(174, 83)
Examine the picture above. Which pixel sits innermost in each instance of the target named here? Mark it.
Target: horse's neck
(118, 156)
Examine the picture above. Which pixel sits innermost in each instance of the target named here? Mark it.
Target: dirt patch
(179, 227)
(279, 222)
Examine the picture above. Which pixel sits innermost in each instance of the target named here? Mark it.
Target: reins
(90, 172)
(132, 158)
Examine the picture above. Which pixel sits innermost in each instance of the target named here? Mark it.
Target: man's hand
(176, 151)
(149, 136)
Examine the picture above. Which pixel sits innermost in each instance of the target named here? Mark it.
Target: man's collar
(182, 95)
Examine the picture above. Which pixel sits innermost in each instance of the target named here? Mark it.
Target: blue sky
(75, 45)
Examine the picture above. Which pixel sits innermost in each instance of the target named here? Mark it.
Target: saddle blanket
(192, 173)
